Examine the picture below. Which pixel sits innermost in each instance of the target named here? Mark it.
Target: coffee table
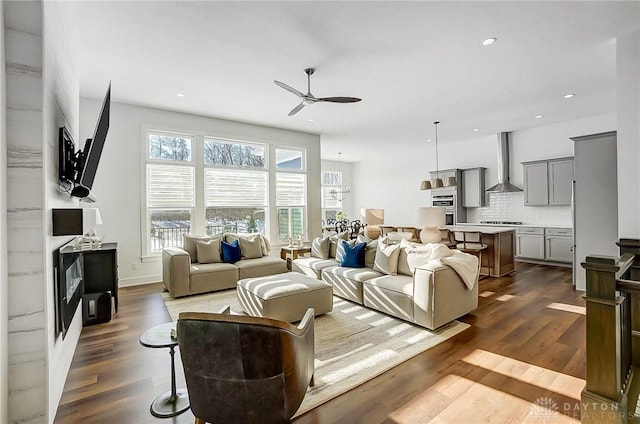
(175, 401)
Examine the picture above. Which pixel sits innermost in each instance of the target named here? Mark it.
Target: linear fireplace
(69, 287)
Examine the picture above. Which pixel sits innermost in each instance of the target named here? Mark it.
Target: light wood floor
(522, 360)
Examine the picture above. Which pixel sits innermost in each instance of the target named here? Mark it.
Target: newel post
(602, 395)
(632, 246)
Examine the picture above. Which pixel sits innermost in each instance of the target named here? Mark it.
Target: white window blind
(232, 187)
(170, 186)
(291, 189)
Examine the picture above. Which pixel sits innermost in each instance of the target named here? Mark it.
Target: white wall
(119, 179)
(392, 182)
(61, 99)
(41, 94)
(628, 137)
(3, 232)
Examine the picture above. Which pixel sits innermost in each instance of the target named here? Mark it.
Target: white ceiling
(411, 62)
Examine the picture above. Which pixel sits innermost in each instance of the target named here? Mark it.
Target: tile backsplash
(510, 207)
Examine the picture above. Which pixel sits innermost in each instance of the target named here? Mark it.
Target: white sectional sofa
(430, 295)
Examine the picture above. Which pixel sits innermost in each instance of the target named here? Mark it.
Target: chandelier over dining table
(339, 193)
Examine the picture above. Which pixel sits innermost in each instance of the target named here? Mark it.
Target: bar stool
(470, 242)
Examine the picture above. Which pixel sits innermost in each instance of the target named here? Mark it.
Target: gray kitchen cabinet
(560, 181)
(473, 188)
(558, 244)
(530, 243)
(536, 183)
(548, 182)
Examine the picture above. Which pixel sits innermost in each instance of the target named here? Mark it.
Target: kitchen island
(498, 259)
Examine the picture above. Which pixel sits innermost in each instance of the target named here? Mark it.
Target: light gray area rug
(353, 344)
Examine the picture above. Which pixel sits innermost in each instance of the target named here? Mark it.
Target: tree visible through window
(219, 152)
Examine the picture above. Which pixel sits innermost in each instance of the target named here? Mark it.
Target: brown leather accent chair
(242, 369)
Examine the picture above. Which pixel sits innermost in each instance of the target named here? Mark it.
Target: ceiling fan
(307, 99)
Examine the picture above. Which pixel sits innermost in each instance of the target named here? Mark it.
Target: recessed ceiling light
(476, 129)
(489, 41)
(568, 96)
(311, 120)
(539, 116)
(180, 94)
(429, 140)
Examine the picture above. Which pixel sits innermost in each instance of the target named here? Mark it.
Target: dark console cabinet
(101, 270)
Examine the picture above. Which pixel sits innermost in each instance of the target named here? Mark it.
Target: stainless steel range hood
(503, 186)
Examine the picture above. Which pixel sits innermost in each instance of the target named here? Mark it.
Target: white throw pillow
(251, 248)
(369, 251)
(333, 240)
(320, 247)
(209, 251)
(386, 257)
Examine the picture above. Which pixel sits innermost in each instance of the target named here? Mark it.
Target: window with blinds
(235, 200)
(291, 195)
(170, 201)
(235, 182)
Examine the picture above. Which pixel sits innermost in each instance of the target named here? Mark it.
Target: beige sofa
(183, 274)
(431, 295)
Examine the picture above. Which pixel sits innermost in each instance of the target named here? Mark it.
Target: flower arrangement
(341, 215)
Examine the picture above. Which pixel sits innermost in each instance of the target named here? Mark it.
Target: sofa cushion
(386, 257)
(333, 240)
(259, 267)
(231, 251)
(392, 294)
(211, 277)
(353, 255)
(357, 274)
(251, 248)
(208, 251)
(314, 263)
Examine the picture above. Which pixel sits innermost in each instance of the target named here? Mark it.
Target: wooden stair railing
(613, 335)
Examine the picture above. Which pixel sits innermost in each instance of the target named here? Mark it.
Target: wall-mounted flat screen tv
(79, 169)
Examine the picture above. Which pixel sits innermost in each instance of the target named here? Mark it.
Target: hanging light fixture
(437, 182)
(341, 193)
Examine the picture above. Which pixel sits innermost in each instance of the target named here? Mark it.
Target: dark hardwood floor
(525, 349)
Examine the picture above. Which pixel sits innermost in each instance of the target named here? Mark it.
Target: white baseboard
(138, 281)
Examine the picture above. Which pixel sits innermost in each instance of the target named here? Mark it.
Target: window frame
(146, 210)
(197, 159)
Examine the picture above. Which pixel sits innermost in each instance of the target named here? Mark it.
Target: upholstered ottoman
(285, 297)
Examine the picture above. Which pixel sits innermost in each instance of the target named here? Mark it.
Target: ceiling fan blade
(296, 109)
(339, 99)
(288, 88)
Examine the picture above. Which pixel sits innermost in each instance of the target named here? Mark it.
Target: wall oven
(449, 217)
(443, 201)
(448, 203)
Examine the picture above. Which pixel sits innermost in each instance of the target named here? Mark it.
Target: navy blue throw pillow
(230, 251)
(353, 256)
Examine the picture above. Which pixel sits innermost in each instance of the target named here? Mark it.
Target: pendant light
(437, 182)
(344, 190)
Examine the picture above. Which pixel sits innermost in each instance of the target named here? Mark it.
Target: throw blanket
(465, 265)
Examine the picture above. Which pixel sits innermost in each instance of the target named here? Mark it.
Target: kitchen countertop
(484, 228)
(523, 225)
